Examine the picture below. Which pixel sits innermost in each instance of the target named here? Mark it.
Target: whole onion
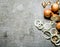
(58, 26)
(47, 13)
(55, 7)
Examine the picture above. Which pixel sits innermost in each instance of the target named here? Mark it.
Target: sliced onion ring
(53, 31)
(38, 23)
(54, 41)
(47, 35)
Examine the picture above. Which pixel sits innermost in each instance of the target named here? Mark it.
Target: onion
(54, 38)
(58, 26)
(54, 17)
(47, 13)
(55, 7)
(57, 1)
(44, 4)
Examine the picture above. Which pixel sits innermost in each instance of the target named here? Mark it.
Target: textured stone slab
(17, 19)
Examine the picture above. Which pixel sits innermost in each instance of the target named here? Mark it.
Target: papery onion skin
(47, 13)
(55, 7)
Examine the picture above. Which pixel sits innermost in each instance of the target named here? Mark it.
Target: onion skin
(58, 26)
(47, 13)
(55, 7)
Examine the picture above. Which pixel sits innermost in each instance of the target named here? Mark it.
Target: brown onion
(47, 13)
(55, 7)
(57, 1)
(58, 26)
(44, 4)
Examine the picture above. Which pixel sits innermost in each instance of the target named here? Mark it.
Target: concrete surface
(17, 24)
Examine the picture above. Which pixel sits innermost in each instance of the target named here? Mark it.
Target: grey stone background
(17, 21)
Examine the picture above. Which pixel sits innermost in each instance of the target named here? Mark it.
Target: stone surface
(17, 21)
